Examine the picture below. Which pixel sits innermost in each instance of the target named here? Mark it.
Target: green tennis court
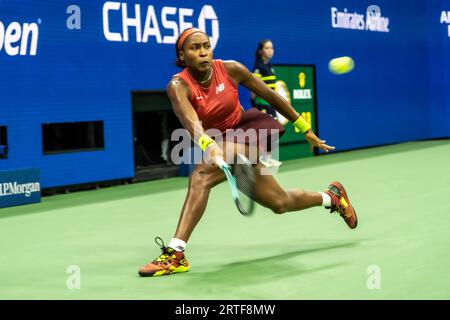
(400, 193)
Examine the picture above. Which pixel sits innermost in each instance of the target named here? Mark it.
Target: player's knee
(282, 203)
(197, 181)
(201, 179)
(279, 206)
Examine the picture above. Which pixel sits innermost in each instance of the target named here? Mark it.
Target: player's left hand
(315, 142)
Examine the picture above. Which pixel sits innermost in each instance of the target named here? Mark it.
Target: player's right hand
(214, 155)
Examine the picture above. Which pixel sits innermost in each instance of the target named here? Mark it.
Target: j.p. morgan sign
(18, 187)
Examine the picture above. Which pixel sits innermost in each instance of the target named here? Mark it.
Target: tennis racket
(241, 179)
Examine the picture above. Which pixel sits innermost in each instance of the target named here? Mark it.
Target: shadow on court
(266, 269)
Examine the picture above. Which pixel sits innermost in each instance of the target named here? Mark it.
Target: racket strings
(245, 179)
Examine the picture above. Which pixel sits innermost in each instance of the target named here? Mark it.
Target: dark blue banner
(19, 187)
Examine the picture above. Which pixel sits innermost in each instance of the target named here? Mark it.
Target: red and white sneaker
(340, 203)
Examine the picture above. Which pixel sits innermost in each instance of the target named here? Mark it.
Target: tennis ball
(341, 65)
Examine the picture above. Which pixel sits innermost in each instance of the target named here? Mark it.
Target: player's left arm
(241, 75)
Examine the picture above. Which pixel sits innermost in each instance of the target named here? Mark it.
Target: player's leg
(269, 194)
(172, 259)
(202, 180)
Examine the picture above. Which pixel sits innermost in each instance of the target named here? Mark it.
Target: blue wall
(399, 90)
(439, 67)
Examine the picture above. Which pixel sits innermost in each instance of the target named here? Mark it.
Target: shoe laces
(340, 208)
(167, 252)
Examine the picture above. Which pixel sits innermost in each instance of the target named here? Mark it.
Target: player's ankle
(177, 244)
(326, 200)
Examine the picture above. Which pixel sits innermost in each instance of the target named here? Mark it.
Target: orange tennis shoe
(169, 261)
(340, 203)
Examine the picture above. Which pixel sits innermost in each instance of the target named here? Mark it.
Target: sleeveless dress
(218, 107)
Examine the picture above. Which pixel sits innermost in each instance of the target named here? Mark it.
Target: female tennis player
(204, 96)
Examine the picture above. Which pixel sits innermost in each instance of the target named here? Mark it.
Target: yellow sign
(301, 79)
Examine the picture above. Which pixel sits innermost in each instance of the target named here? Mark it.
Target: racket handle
(221, 163)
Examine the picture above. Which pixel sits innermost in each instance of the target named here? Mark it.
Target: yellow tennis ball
(341, 65)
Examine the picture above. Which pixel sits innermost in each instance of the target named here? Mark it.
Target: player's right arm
(179, 94)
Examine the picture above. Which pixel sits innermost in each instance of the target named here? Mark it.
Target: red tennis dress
(218, 107)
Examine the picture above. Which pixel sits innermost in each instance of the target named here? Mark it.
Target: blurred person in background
(263, 70)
